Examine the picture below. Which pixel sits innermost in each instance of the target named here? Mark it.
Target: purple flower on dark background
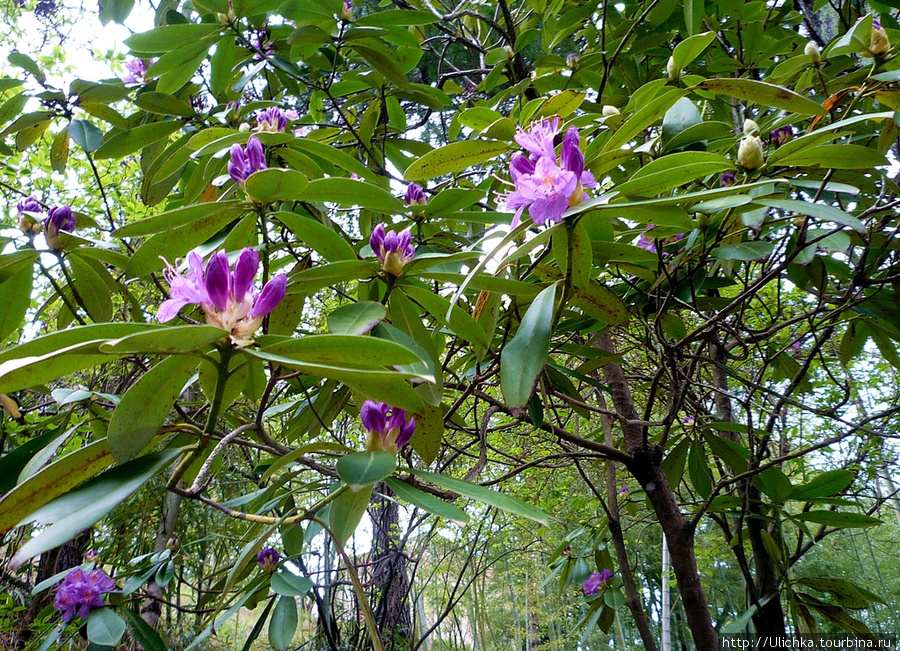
(246, 160)
(272, 119)
(392, 249)
(648, 242)
(597, 581)
(29, 204)
(387, 426)
(780, 136)
(228, 297)
(80, 591)
(727, 180)
(268, 559)
(415, 195)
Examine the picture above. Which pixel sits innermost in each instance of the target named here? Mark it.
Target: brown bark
(646, 467)
(152, 607)
(389, 573)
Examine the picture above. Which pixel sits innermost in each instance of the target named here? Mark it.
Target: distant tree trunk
(60, 559)
(152, 607)
(389, 572)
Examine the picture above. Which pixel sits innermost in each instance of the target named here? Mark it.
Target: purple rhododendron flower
(29, 204)
(623, 492)
(136, 68)
(392, 249)
(415, 195)
(80, 591)
(261, 44)
(780, 136)
(268, 559)
(597, 581)
(387, 426)
(246, 160)
(272, 119)
(347, 10)
(727, 180)
(228, 297)
(546, 188)
(59, 218)
(537, 140)
(648, 242)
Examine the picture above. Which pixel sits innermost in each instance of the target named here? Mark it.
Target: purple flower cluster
(261, 44)
(227, 297)
(80, 591)
(543, 184)
(246, 161)
(648, 242)
(780, 136)
(29, 204)
(392, 249)
(387, 426)
(137, 69)
(273, 119)
(268, 559)
(415, 195)
(597, 581)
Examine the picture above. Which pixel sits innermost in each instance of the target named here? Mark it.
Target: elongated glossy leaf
(15, 297)
(105, 627)
(145, 406)
(827, 213)
(824, 484)
(145, 634)
(171, 340)
(346, 511)
(84, 506)
(343, 350)
(839, 519)
(356, 318)
(459, 321)
(85, 134)
(283, 624)
(276, 184)
(453, 158)
(169, 37)
(362, 469)
(349, 194)
(288, 584)
(321, 239)
(690, 48)
(430, 503)
(14, 462)
(743, 251)
(525, 355)
(314, 279)
(672, 171)
(763, 94)
(128, 142)
(839, 157)
(643, 118)
(487, 496)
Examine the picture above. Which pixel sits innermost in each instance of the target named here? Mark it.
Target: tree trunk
(646, 467)
(152, 607)
(389, 575)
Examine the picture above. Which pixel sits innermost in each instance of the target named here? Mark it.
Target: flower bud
(673, 72)
(572, 60)
(244, 128)
(750, 153)
(609, 110)
(727, 180)
(347, 11)
(268, 559)
(812, 52)
(750, 127)
(878, 40)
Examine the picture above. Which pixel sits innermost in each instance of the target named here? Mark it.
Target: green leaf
(145, 634)
(164, 104)
(169, 37)
(356, 318)
(824, 484)
(690, 48)
(15, 296)
(81, 508)
(459, 321)
(179, 217)
(14, 462)
(743, 251)
(848, 594)
(59, 151)
(85, 134)
(92, 289)
(673, 171)
(326, 275)
(128, 142)
(398, 17)
(283, 624)
(383, 64)
(487, 496)
(288, 584)
(27, 64)
(838, 157)
(763, 94)
(362, 469)
(320, 238)
(275, 184)
(105, 627)
(171, 340)
(698, 469)
(453, 158)
(429, 503)
(342, 350)
(524, 356)
(115, 10)
(146, 405)
(839, 519)
(346, 511)
(643, 118)
(352, 194)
